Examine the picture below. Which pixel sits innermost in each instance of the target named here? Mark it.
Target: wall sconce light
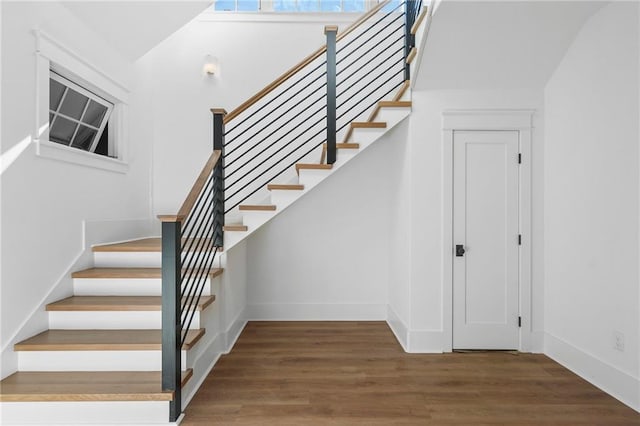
(210, 67)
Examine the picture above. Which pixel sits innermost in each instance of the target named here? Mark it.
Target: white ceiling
(499, 44)
(135, 27)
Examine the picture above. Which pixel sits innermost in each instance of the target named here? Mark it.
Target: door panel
(485, 278)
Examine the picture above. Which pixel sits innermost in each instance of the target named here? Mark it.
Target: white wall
(44, 202)
(327, 256)
(591, 203)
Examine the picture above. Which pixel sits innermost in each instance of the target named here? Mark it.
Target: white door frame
(458, 120)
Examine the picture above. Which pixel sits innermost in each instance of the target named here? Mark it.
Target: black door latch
(459, 250)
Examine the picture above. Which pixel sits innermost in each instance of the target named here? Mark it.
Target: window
(77, 117)
(291, 5)
(82, 112)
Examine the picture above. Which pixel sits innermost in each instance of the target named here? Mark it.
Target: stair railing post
(409, 39)
(218, 176)
(171, 327)
(331, 32)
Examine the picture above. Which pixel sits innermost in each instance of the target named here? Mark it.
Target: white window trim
(51, 54)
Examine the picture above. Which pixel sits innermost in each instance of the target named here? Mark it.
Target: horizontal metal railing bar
(313, 114)
(288, 143)
(401, 49)
(263, 150)
(368, 40)
(371, 104)
(353, 40)
(287, 167)
(229, 164)
(207, 192)
(273, 100)
(301, 65)
(346, 67)
(390, 67)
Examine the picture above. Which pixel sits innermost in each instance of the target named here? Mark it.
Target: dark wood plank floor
(293, 373)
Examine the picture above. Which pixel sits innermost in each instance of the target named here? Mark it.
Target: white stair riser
(392, 116)
(110, 320)
(127, 259)
(231, 238)
(85, 412)
(123, 287)
(255, 219)
(282, 198)
(310, 178)
(366, 136)
(93, 361)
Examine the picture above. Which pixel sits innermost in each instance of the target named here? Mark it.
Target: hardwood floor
(292, 373)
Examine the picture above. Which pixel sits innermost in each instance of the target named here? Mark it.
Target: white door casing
(485, 235)
(519, 120)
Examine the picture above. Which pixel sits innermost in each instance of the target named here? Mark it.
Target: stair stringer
(311, 178)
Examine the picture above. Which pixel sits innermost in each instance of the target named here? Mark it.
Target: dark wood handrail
(297, 68)
(191, 199)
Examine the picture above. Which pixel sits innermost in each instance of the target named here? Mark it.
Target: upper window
(77, 117)
(291, 5)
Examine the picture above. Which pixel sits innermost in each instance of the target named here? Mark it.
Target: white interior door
(485, 240)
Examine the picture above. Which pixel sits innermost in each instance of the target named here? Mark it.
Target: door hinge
(519, 321)
(519, 158)
(519, 239)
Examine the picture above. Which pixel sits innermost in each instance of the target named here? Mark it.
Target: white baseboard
(233, 332)
(414, 341)
(316, 312)
(616, 383)
(425, 341)
(398, 328)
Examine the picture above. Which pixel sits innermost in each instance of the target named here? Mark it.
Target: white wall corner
(611, 380)
(398, 328)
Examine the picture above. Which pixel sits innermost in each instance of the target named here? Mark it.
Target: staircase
(131, 345)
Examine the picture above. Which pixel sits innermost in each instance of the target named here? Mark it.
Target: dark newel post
(218, 176)
(409, 42)
(171, 334)
(331, 33)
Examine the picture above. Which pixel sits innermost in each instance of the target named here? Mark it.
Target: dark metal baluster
(331, 32)
(171, 332)
(218, 176)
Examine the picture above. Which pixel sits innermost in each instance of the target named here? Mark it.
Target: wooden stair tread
(131, 273)
(285, 187)
(368, 125)
(395, 104)
(313, 166)
(235, 228)
(257, 207)
(344, 145)
(101, 340)
(152, 245)
(117, 303)
(86, 386)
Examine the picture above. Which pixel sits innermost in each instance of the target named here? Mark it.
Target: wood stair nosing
(368, 125)
(235, 228)
(285, 187)
(143, 245)
(412, 55)
(345, 145)
(257, 207)
(388, 104)
(116, 303)
(101, 340)
(312, 166)
(85, 386)
(129, 273)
